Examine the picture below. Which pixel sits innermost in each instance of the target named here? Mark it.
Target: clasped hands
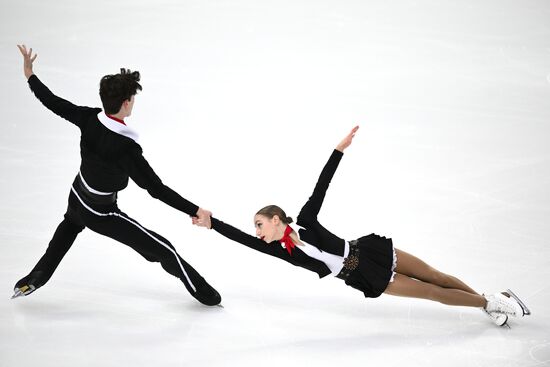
(202, 218)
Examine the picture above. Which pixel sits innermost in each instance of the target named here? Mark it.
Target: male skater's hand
(202, 218)
(206, 222)
(347, 140)
(28, 59)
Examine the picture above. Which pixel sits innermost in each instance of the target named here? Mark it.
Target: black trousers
(109, 221)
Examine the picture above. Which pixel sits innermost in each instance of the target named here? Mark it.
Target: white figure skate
(502, 303)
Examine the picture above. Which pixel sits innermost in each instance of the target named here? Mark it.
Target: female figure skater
(110, 156)
(370, 264)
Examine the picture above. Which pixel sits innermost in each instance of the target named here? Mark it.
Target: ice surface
(452, 161)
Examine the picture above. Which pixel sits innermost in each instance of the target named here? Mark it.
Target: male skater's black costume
(110, 155)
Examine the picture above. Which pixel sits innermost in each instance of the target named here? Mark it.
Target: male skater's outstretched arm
(110, 156)
(139, 169)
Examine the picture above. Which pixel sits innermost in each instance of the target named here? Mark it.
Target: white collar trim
(117, 127)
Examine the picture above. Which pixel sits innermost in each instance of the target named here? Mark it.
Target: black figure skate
(29, 284)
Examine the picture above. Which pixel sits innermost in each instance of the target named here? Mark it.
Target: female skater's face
(265, 227)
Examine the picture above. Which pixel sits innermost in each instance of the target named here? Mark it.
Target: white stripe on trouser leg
(143, 229)
(163, 244)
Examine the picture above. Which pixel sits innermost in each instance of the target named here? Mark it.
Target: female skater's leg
(413, 267)
(405, 286)
(434, 285)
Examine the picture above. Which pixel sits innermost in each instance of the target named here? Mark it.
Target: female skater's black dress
(368, 266)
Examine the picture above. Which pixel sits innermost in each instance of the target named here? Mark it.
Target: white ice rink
(452, 161)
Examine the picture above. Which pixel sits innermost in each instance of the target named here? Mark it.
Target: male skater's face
(129, 104)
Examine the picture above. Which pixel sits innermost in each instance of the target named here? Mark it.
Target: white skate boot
(502, 303)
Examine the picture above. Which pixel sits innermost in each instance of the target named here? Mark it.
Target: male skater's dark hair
(117, 88)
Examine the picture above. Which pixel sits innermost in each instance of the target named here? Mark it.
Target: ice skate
(499, 319)
(29, 284)
(524, 308)
(207, 295)
(24, 290)
(501, 303)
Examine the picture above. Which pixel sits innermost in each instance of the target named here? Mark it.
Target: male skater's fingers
(22, 50)
(198, 222)
(33, 57)
(205, 222)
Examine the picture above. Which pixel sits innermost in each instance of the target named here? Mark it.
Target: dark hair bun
(273, 210)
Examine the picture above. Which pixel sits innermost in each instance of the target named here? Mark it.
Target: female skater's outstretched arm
(269, 243)
(311, 209)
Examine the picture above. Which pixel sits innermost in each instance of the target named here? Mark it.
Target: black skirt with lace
(370, 265)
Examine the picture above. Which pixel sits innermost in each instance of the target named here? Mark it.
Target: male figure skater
(110, 154)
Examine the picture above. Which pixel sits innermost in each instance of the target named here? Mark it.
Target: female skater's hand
(347, 140)
(28, 59)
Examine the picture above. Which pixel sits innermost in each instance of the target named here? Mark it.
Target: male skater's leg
(154, 247)
(62, 240)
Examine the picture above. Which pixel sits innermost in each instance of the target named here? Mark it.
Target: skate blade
(526, 310)
(23, 291)
(17, 293)
(505, 324)
(493, 319)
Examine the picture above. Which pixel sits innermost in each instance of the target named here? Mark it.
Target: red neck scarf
(287, 241)
(116, 119)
